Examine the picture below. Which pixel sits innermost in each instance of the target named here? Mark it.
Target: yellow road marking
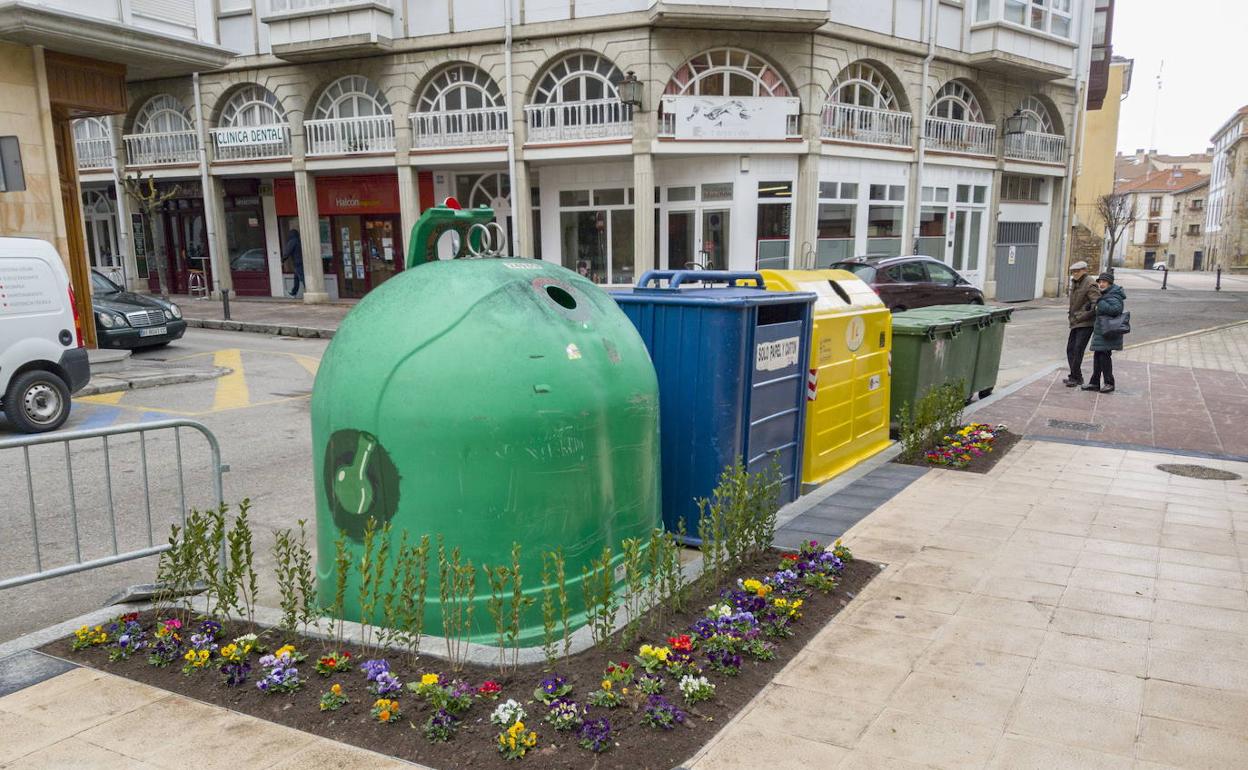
(109, 399)
(232, 388)
(308, 362)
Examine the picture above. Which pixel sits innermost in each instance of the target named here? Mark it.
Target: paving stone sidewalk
(1073, 608)
(265, 315)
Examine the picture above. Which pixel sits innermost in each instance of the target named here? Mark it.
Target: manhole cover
(1086, 427)
(1200, 472)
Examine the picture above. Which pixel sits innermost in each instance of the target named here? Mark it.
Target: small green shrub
(937, 412)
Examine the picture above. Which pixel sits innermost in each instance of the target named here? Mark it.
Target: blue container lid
(651, 291)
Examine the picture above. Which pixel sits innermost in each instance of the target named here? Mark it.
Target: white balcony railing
(961, 136)
(295, 6)
(94, 154)
(251, 142)
(1043, 148)
(161, 149)
(481, 127)
(350, 136)
(866, 125)
(577, 121)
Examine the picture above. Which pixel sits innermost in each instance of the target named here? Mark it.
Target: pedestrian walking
(1081, 315)
(293, 250)
(1112, 322)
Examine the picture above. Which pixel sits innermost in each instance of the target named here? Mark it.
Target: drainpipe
(205, 181)
(916, 194)
(511, 130)
(1081, 96)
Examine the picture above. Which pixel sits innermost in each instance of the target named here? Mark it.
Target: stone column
(522, 212)
(409, 206)
(310, 238)
(644, 257)
(218, 244)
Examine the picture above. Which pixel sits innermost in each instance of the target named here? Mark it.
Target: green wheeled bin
(488, 401)
(927, 353)
(987, 326)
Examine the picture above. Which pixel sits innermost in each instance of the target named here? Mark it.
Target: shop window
(837, 226)
(718, 191)
(611, 197)
(884, 228)
(775, 211)
(678, 194)
(574, 197)
(1022, 189)
(597, 240)
(775, 190)
(932, 221)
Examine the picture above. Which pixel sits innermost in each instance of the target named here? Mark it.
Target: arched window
(727, 72)
(161, 115)
(862, 85)
(955, 101)
(578, 77)
(1037, 115)
(352, 96)
(459, 87)
(252, 105)
(96, 204)
(90, 128)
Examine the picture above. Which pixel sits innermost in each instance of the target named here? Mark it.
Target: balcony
(350, 136)
(945, 135)
(163, 149)
(866, 125)
(251, 142)
(758, 15)
(328, 30)
(578, 121)
(1037, 147)
(482, 127)
(94, 154)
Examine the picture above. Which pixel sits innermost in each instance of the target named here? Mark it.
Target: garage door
(1018, 250)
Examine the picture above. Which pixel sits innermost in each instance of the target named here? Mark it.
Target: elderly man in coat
(1081, 315)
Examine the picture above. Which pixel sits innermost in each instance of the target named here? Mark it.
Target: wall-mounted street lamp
(1016, 124)
(630, 89)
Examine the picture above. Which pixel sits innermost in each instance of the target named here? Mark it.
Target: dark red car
(905, 283)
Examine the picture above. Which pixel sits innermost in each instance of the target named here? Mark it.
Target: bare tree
(1117, 213)
(142, 190)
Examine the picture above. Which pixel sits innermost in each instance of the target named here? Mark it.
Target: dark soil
(475, 745)
(1003, 443)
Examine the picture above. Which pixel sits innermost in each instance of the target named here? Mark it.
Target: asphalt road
(260, 417)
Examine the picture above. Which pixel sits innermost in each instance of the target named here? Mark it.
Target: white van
(42, 359)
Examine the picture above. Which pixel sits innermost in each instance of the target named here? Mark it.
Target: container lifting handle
(676, 277)
(483, 236)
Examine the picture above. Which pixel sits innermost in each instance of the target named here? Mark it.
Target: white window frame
(608, 208)
(462, 77)
(688, 78)
(581, 67)
(163, 114)
(863, 77)
(252, 105)
(354, 90)
(953, 96)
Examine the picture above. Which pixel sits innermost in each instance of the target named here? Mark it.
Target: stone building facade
(1226, 222)
(863, 129)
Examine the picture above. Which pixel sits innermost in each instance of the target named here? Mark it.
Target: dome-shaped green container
(490, 401)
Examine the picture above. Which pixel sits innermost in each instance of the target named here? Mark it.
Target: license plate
(154, 331)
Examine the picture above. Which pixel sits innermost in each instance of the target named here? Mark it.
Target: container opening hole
(780, 314)
(840, 292)
(561, 297)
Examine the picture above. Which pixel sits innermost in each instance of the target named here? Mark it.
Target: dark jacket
(293, 250)
(1111, 304)
(1083, 296)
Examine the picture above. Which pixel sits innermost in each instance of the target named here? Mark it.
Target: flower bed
(651, 704)
(975, 447)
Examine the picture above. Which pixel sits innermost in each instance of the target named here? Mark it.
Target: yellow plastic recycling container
(847, 384)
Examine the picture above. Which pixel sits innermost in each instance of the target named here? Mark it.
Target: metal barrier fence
(117, 555)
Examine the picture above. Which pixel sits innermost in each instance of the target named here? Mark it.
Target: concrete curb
(1196, 333)
(150, 381)
(278, 330)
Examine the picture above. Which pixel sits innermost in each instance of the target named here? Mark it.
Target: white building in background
(768, 133)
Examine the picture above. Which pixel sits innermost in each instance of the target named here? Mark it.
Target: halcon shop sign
(731, 117)
(250, 135)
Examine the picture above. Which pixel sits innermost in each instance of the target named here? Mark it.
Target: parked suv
(42, 359)
(909, 282)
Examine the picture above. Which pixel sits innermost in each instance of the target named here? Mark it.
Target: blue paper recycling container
(731, 361)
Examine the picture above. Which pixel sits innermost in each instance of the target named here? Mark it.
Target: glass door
(715, 238)
(681, 237)
(350, 254)
(967, 230)
(381, 251)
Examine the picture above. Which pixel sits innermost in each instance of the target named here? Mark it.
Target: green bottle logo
(361, 481)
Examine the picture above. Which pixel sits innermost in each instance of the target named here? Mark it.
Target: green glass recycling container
(489, 402)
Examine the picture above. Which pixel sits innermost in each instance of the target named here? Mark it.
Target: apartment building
(62, 61)
(1226, 221)
(635, 134)
(1187, 230)
(1095, 173)
(1153, 199)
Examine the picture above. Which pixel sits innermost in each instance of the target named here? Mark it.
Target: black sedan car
(906, 283)
(130, 321)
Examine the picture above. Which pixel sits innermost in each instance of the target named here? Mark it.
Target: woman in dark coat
(1111, 305)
